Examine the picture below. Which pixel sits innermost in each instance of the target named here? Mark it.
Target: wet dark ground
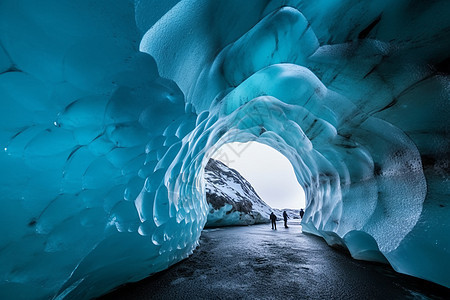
(255, 262)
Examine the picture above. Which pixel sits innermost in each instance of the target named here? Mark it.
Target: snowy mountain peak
(232, 200)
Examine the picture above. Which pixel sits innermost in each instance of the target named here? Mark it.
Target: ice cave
(110, 111)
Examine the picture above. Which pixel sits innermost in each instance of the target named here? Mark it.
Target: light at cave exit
(269, 172)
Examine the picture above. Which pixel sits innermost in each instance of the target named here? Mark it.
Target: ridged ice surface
(111, 109)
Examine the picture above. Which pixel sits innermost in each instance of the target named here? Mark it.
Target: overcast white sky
(269, 172)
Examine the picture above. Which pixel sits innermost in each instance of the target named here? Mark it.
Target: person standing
(273, 219)
(301, 213)
(285, 217)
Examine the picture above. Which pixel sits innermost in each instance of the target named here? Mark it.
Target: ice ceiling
(111, 109)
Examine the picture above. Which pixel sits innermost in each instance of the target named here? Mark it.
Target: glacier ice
(110, 111)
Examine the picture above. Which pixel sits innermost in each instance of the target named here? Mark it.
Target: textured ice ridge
(104, 146)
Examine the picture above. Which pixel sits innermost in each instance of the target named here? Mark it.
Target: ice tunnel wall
(105, 145)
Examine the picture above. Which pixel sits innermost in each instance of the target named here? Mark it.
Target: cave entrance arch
(271, 178)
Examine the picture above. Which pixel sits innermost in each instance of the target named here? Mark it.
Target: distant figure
(273, 218)
(301, 213)
(285, 217)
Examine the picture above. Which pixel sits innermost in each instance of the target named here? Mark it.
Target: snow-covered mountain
(232, 200)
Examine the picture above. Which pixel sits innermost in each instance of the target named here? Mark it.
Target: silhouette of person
(273, 219)
(301, 213)
(285, 217)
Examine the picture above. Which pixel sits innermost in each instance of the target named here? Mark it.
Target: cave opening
(268, 171)
(245, 182)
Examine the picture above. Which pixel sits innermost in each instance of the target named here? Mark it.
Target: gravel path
(255, 262)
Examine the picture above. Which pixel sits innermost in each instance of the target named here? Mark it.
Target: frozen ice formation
(110, 111)
(231, 198)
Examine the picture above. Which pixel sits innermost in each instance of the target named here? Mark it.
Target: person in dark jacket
(301, 213)
(285, 217)
(273, 219)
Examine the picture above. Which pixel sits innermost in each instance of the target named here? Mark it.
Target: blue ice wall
(111, 109)
(88, 133)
